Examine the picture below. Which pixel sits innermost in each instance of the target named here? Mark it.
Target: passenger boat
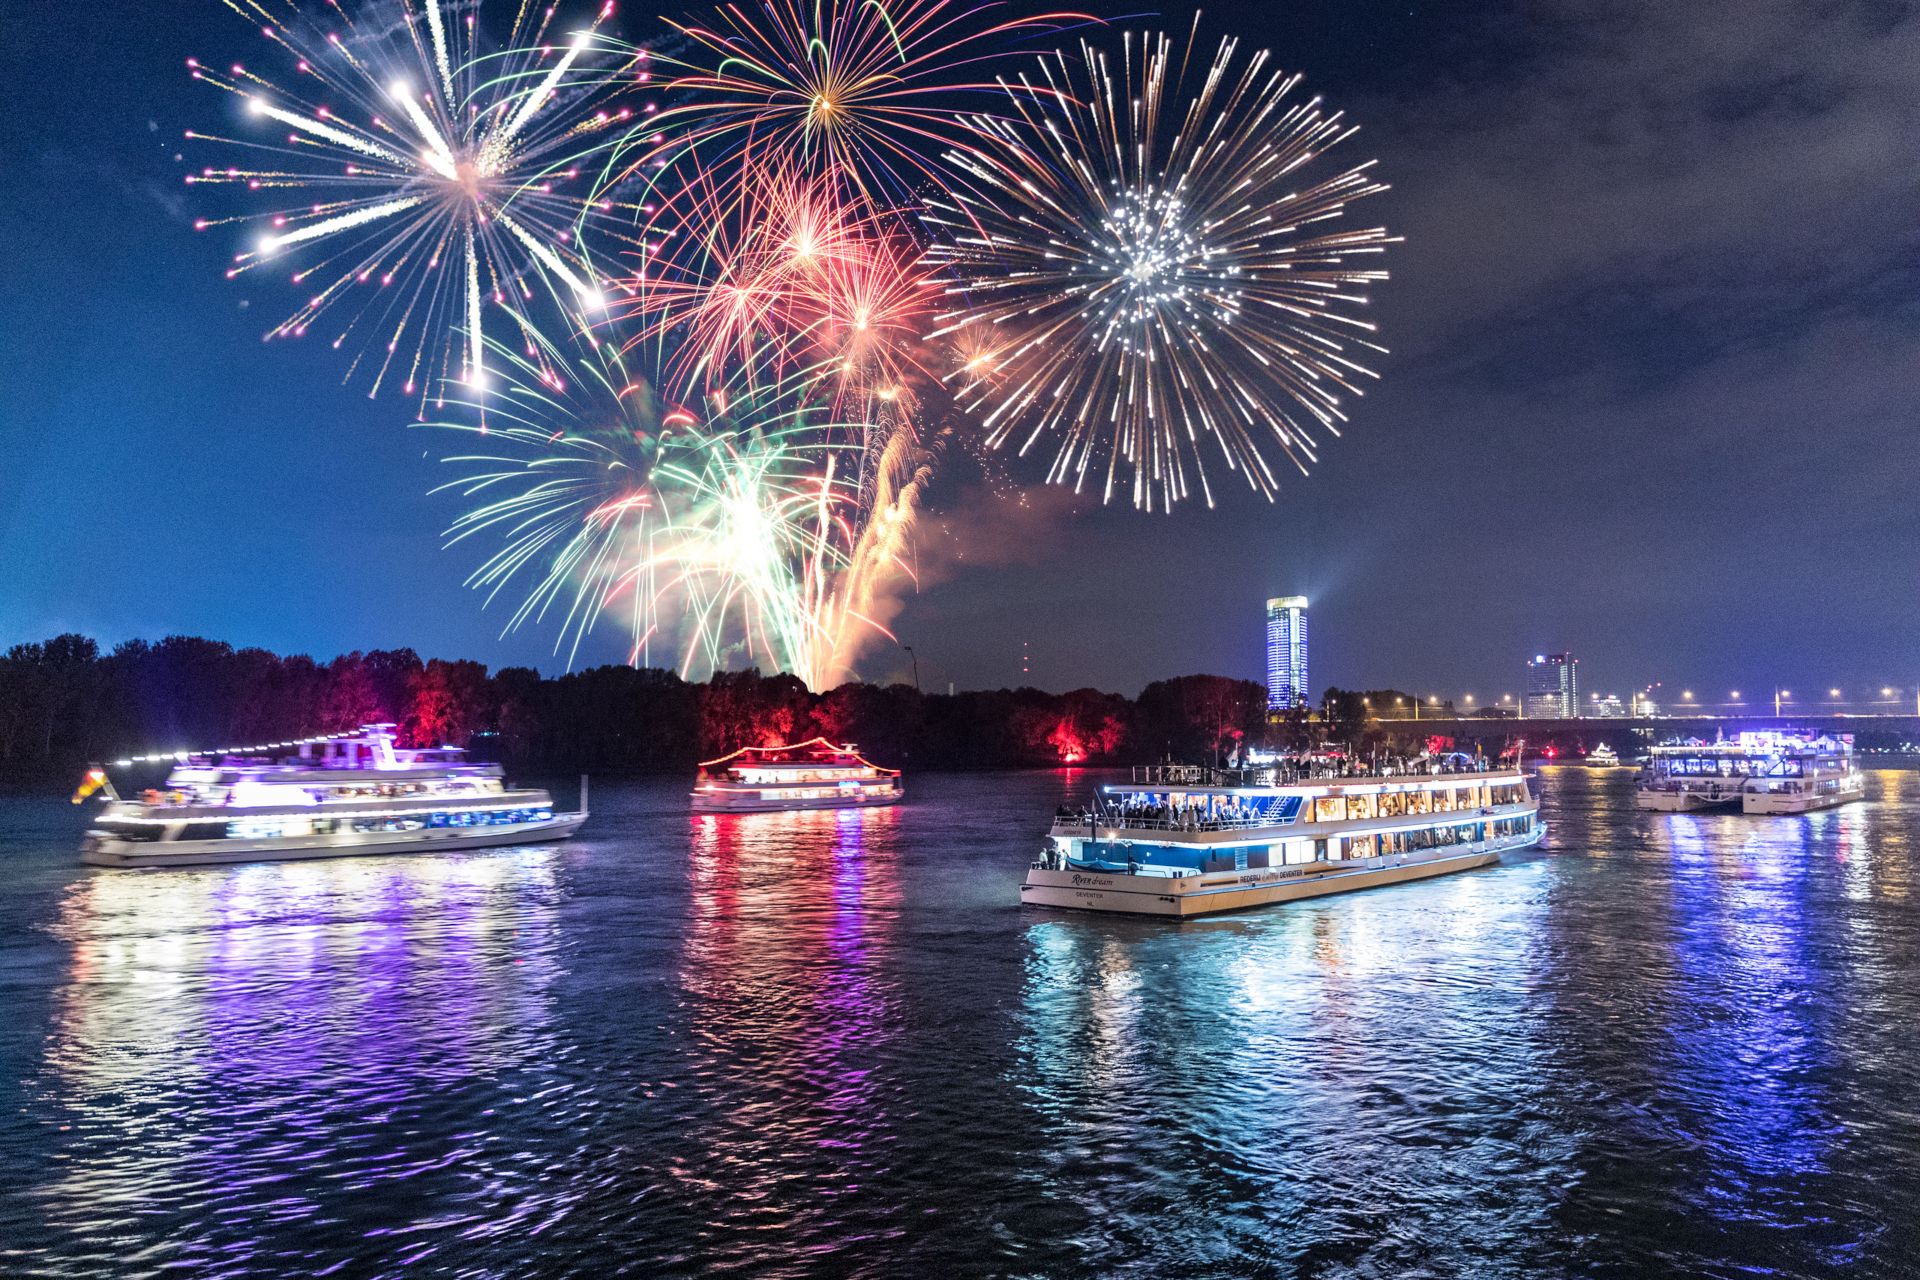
(337, 796)
(1190, 841)
(1761, 770)
(803, 775)
(1603, 757)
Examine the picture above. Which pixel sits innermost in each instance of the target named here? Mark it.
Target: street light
(916, 666)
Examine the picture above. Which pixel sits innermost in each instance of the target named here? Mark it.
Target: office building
(1287, 653)
(1553, 687)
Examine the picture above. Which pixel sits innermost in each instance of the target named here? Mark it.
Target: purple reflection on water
(224, 1030)
(1747, 1032)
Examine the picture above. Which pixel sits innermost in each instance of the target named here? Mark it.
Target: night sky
(1652, 395)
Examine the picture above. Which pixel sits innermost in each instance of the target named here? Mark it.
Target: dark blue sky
(1652, 397)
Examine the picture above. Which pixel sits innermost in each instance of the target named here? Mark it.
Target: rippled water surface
(833, 1044)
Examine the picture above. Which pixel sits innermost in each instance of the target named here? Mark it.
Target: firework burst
(436, 183)
(1157, 279)
(858, 86)
(751, 526)
(794, 276)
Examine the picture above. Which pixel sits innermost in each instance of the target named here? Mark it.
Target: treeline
(65, 702)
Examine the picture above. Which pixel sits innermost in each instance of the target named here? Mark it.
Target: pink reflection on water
(788, 962)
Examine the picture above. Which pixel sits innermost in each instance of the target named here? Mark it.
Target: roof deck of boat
(1199, 780)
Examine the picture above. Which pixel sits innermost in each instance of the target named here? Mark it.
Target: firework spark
(1156, 278)
(434, 181)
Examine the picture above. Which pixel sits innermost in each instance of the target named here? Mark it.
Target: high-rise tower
(1287, 653)
(1553, 687)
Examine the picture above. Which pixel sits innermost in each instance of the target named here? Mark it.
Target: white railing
(1199, 775)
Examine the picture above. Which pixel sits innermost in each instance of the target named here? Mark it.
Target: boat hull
(201, 853)
(1768, 802)
(1199, 895)
(1684, 801)
(705, 802)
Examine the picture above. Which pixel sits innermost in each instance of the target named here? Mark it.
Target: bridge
(1623, 732)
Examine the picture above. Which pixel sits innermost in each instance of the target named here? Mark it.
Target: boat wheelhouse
(341, 795)
(805, 775)
(1188, 841)
(1761, 770)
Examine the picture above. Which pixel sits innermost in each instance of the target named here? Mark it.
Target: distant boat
(804, 775)
(1603, 757)
(1761, 770)
(343, 795)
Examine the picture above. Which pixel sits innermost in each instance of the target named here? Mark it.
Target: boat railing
(1112, 821)
(1200, 775)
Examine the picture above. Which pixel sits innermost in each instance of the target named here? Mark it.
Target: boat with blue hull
(1188, 841)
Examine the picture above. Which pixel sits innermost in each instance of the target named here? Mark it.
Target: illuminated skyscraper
(1553, 687)
(1287, 653)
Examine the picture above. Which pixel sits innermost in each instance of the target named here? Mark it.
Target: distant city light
(1736, 695)
(1686, 695)
(1833, 693)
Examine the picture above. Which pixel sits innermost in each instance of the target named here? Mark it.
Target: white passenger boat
(803, 775)
(1603, 757)
(1760, 770)
(342, 795)
(1182, 841)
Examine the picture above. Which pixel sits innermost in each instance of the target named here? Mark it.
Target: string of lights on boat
(162, 757)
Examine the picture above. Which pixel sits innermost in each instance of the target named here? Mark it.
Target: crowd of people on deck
(1138, 812)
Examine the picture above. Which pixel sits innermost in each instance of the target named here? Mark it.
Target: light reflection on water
(220, 1032)
(831, 1044)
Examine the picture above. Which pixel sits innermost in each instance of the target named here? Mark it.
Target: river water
(833, 1044)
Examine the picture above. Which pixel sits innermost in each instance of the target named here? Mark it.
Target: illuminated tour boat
(805, 775)
(341, 795)
(1603, 757)
(1189, 841)
(1760, 770)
